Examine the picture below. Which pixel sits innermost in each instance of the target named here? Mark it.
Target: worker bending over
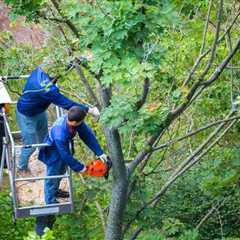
(57, 155)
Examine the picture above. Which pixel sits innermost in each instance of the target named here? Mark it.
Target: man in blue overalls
(57, 155)
(38, 93)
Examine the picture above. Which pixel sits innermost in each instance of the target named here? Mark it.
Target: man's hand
(106, 160)
(94, 111)
(83, 171)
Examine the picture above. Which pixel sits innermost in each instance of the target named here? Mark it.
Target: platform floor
(32, 192)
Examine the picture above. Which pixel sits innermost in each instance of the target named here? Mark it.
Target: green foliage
(7, 228)
(25, 8)
(127, 42)
(224, 173)
(172, 227)
(48, 235)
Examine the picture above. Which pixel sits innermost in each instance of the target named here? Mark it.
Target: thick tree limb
(145, 91)
(120, 180)
(171, 116)
(224, 63)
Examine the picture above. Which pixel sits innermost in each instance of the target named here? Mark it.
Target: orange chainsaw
(98, 168)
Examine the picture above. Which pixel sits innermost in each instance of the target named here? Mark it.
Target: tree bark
(120, 178)
(119, 188)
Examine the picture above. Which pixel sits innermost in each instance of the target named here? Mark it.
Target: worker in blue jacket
(57, 155)
(38, 93)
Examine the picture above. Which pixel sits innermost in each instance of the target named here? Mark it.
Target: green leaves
(25, 8)
(48, 235)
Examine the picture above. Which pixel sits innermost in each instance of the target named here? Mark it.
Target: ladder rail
(10, 165)
(2, 164)
(41, 178)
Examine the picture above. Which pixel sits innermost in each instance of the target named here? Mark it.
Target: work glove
(106, 159)
(83, 171)
(94, 111)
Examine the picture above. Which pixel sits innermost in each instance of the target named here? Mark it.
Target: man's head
(76, 116)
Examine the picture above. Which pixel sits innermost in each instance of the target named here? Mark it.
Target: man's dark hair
(77, 114)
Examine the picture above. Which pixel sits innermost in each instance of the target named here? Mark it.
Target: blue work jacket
(39, 92)
(59, 139)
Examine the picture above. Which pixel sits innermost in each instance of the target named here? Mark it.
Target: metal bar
(12, 185)
(16, 132)
(2, 164)
(57, 111)
(46, 205)
(9, 136)
(8, 131)
(4, 78)
(10, 165)
(70, 186)
(40, 178)
(32, 145)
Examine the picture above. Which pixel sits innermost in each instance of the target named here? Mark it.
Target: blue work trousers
(52, 185)
(33, 130)
(43, 222)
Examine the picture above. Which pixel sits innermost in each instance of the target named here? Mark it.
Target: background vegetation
(143, 51)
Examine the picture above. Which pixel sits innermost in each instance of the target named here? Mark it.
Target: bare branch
(73, 94)
(214, 45)
(53, 19)
(172, 179)
(206, 28)
(100, 210)
(210, 212)
(145, 91)
(182, 170)
(203, 55)
(194, 133)
(195, 91)
(221, 67)
(136, 233)
(87, 85)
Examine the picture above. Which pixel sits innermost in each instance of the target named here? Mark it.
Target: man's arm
(54, 96)
(89, 138)
(67, 157)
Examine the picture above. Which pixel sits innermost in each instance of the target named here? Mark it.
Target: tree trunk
(119, 188)
(120, 178)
